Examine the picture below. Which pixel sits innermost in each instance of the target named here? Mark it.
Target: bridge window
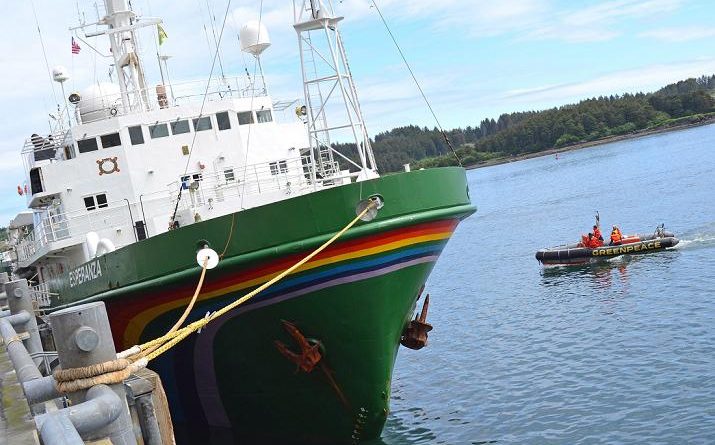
(158, 131)
(110, 140)
(202, 123)
(87, 145)
(223, 121)
(245, 117)
(264, 116)
(180, 127)
(194, 178)
(229, 174)
(136, 135)
(95, 202)
(278, 167)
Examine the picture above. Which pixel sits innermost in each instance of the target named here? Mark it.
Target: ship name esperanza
(84, 273)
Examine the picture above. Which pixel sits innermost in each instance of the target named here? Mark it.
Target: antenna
(122, 23)
(325, 67)
(59, 75)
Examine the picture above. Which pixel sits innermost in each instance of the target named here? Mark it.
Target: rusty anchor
(309, 354)
(415, 335)
(309, 357)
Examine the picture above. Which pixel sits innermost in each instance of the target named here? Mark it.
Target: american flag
(75, 47)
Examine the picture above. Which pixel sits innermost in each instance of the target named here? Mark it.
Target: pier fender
(90, 244)
(94, 246)
(105, 245)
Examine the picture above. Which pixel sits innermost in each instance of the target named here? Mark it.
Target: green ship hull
(230, 383)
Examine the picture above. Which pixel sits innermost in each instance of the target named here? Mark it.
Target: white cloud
(642, 79)
(679, 35)
(596, 23)
(619, 9)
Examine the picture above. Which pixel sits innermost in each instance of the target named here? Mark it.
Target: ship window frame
(104, 204)
(93, 146)
(242, 115)
(229, 174)
(89, 203)
(262, 120)
(110, 140)
(182, 125)
(223, 122)
(158, 135)
(134, 137)
(92, 202)
(199, 123)
(278, 167)
(188, 178)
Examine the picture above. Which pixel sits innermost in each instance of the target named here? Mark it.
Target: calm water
(619, 353)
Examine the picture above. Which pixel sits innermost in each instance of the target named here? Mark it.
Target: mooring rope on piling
(137, 357)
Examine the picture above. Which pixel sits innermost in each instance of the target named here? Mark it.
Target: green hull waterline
(253, 391)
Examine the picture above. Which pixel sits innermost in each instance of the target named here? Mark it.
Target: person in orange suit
(616, 236)
(593, 242)
(597, 233)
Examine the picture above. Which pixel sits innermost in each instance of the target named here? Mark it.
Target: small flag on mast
(162, 33)
(75, 47)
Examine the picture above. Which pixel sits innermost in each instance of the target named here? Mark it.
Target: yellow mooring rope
(137, 357)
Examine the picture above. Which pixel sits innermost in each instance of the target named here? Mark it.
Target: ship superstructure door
(36, 180)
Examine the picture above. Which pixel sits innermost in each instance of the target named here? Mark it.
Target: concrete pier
(16, 424)
(32, 411)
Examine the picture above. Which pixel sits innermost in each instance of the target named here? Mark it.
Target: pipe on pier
(101, 407)
(22, 361)
(58, 430)
(40, 390)
(83, 338)
(19, 298)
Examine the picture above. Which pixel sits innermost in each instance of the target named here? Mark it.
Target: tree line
(533, 131)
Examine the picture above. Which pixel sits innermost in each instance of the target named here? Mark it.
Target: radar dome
(254, 38)
(59, 74)
(99, 101)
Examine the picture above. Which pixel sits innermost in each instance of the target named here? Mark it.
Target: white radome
(59, 74)
(99, 98)
(254, 38)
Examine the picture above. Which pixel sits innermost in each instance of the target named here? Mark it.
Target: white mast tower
(121, 24)
(327, 81)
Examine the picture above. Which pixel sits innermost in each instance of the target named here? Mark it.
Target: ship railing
(55, 146)
(289, 177)
(110, 221)
(41, 294)
(170, 95)
(114, 221)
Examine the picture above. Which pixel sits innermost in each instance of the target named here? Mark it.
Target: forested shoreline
(524, 133)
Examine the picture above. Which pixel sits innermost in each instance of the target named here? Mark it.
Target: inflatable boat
(630, 245)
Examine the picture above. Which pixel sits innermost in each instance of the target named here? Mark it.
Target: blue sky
(475, 59)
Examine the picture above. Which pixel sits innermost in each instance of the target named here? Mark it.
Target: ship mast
(327, 81)
(122, 23)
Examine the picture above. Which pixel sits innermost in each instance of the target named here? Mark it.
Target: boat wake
(618, 259)
(697, 239)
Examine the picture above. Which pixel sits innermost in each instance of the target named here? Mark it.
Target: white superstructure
(138, 161)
